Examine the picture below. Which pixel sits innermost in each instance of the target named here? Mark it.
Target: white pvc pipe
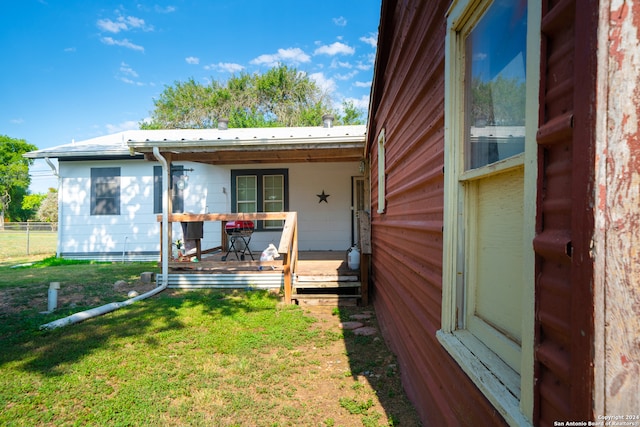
(53, 296)
(107, 308)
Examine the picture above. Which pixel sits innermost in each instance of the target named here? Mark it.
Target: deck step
(326, 300)
(325, 285)
(328, 278)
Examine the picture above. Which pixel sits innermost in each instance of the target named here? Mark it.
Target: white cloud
(339, 64)
(368, 64)
(128, 125)
(362, 84)
(123, 23)
(340, 22)
(130, 82)
(361, 103)
(325, 84)
(336, 48)
(192, 60)
(371, 40)
(228, 67)
(123, 43)
(168, 9)
(292, 55)
(17, 121)
(127, 70)
(347, 76)
(69, 49)
(110, 26)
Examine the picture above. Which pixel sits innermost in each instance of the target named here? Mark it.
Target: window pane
(247, 195)
(273, 189)
(495, 55)
(105, 191)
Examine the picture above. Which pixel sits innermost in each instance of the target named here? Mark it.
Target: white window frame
(509, 392)
(259, 174)
(109, 177)
(382, 192)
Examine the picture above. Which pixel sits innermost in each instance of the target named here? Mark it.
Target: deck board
(310, 263)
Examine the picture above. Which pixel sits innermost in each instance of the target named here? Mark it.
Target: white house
(110, 187)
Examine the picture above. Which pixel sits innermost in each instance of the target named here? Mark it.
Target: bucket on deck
(353, 258)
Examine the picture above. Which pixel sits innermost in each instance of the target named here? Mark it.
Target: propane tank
(353, 258)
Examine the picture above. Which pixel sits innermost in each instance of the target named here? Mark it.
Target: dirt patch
(70, 296)
(353, 380)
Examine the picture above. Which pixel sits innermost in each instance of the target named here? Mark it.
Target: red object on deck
(239, 227)
(242, 230)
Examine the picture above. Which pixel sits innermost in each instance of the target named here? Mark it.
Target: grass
(14, 245)
(183, 358)
(171, 361)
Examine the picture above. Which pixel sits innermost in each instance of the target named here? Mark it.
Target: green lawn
(18, 246)
(183, 358)
(170, 361)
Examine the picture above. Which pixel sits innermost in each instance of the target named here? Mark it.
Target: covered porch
(303, 277)
(226, 165)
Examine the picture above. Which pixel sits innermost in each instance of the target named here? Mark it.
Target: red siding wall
(408, 102)
(564, 269)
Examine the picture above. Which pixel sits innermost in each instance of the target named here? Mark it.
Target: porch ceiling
(266, 145)
(222, 157)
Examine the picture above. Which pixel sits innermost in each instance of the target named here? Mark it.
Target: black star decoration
(323, 197)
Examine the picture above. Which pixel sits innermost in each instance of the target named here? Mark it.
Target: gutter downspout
(107, 308)
(56, 173)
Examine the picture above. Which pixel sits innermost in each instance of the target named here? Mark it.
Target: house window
(105, 191)
(487, 310)
(263, 190)
(177, 191)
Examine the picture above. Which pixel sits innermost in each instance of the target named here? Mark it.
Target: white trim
(505, 165)
(510, 393)
(482, 372)
(382, 193)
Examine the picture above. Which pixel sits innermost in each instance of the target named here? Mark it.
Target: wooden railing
(288, 247)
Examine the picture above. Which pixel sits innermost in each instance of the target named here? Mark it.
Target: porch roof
(254, 145)
(229, 146)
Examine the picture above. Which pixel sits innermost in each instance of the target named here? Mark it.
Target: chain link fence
(27, 238)
(30, 226)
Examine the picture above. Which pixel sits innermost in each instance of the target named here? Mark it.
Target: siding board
(408, 102)
(564, 221)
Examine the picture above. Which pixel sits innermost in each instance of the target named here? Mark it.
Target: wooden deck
(311, 263)
(321, 277)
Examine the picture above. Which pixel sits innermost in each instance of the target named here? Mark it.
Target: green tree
(48, 209)
(14, 174)
(30, 205)
(282, 96)
(352, 114)
(499, 102)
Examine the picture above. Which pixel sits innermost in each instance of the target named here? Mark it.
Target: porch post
(169, 202)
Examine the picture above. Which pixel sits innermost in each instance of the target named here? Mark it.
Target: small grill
(242, 230)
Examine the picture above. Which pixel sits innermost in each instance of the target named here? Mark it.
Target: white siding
(322, 226)
(134, 230)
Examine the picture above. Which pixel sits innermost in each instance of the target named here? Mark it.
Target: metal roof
(203, 140)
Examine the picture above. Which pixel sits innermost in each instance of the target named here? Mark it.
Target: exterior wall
(135, 230)
(408, 103)
(587, 225)
(564, 267)
(322, 226)
(617, 192)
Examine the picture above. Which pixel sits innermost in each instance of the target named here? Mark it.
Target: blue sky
(77, 69)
